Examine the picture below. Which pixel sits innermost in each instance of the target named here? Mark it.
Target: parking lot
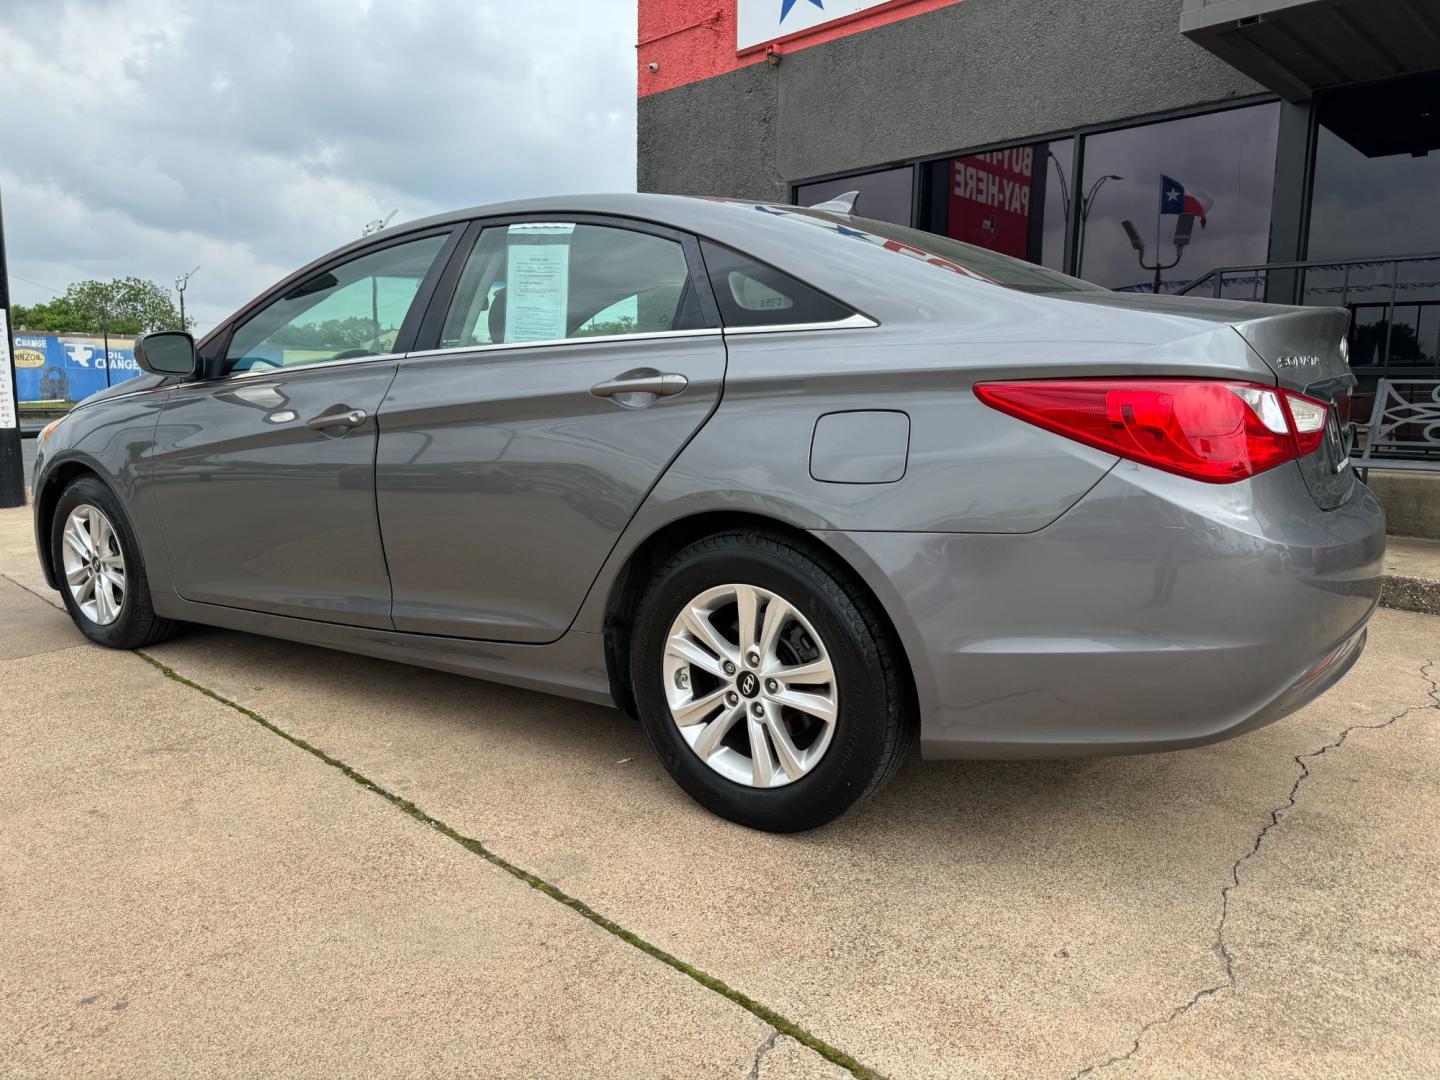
(246, 857)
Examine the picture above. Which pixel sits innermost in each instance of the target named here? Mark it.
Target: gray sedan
(792, 486)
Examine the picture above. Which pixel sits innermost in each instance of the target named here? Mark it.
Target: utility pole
(181, 282)
(12, 462)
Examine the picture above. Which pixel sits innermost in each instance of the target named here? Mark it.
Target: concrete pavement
(1261, 907)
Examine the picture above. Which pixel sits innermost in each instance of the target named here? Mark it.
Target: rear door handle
(325, 421)
(641, 381)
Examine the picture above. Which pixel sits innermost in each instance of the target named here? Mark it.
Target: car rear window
(953, 256)
(751, 293)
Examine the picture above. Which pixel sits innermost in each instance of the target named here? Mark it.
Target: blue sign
(50, 367)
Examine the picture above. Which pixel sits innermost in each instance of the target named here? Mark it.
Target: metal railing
(1260, 272)
(1404, 429)
(1378, 284)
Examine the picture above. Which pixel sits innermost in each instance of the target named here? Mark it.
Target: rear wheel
(767, 684)
(102, 576)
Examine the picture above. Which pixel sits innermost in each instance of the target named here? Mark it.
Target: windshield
(953, 256)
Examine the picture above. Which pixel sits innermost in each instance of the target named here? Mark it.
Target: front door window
(349, 311)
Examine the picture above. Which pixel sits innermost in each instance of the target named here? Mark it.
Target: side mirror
(166, 352)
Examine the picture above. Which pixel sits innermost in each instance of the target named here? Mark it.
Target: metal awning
(1296, 47)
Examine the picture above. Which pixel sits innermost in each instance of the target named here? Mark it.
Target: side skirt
(573, 667)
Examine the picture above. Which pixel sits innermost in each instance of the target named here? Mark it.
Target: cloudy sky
(147, 137)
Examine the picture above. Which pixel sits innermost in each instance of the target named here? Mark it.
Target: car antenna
(841, 204)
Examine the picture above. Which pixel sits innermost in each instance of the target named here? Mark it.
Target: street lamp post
(181, 282)
(105, 331)
(1086, 205)
(1184, 226)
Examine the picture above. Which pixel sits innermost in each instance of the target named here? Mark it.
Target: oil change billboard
(69, 367)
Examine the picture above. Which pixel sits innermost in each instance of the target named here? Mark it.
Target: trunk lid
(1304, 348)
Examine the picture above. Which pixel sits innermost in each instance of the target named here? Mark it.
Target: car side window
(552, 281)
(352, 310)
(751, 293)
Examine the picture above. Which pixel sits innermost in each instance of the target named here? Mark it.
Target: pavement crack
(1222, 947)
(26, 588)
(765, 1048)
(781, 1024)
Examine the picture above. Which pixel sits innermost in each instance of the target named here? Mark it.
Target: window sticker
(537, 295)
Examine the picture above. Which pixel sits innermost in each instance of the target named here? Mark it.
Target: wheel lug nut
(732, 698)
(753, 659)
(771, 686)
(758, 709)
(729, 668)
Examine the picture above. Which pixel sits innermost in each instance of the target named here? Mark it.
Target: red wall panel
(691, 40)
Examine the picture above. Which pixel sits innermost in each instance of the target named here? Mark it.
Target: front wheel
(768, 685)
(102, 576)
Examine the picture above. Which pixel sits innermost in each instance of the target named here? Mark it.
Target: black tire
(873, 728)
(137, 624)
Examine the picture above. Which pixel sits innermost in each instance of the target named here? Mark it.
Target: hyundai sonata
(791, 486)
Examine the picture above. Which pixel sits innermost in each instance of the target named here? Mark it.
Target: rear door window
(751, 293)
(555, 281)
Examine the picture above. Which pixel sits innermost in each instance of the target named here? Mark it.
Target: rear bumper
(1159, 613)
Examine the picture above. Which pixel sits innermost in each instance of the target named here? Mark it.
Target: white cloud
(147, 136)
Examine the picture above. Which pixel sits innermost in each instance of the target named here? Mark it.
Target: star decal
(856, 233)
(786, 5)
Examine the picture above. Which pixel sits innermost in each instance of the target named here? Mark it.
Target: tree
(134, 305)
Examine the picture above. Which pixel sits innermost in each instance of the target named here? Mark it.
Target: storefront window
(887, 195)
(1377, 170)
(1014, 201)
(1210, 175)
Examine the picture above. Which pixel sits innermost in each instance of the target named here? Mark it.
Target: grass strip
(710, 982)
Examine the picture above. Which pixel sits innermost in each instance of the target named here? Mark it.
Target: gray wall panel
(715, 137)
(976, 73)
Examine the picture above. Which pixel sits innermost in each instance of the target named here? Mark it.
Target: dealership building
(1286, 150)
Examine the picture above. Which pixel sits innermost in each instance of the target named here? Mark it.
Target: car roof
(864, 280)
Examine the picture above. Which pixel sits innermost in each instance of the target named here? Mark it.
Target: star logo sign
(786, 5)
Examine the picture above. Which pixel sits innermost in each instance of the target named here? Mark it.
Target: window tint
(951, 256)
(353, 310)
(549, 281)
(753, 294)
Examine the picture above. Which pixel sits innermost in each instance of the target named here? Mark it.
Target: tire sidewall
(91, 492)
(846, 771)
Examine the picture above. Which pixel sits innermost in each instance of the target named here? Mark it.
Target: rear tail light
(1207, 430)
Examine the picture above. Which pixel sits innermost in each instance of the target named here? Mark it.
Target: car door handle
(641, 381)
(352, 419)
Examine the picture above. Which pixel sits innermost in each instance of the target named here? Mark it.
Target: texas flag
(1174, 199)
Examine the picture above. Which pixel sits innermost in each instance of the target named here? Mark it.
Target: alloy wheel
(94, 564)
(741, 653)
